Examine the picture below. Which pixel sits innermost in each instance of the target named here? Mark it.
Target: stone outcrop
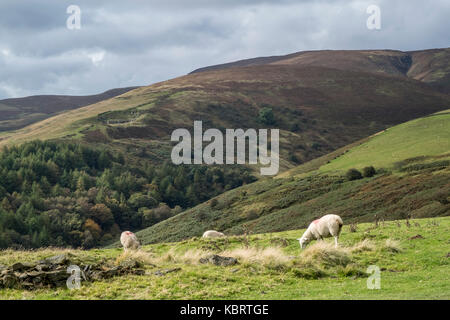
(53, 272)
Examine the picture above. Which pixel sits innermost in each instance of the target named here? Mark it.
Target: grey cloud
(124, 43)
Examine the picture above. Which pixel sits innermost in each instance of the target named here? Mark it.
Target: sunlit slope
(68, 123)
(429, 136)
(16, 113)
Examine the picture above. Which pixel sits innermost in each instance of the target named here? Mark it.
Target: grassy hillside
(319, 101)
(17, 113)
(412, 256)
(413, 174)
(417, 138)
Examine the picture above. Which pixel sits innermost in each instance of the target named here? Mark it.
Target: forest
(71, 195)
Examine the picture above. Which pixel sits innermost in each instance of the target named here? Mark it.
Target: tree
(102, 214)
(353, 174)
(94, 229)
(191, 196)
(6, 205)
(172, 195)
(266, 116)
(66, 194)
(369, 171)
(139, 200)
(2, 192)
(43, 237)
(88, 241)
(104, 160)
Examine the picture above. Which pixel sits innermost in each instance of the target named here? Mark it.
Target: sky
(137, 42)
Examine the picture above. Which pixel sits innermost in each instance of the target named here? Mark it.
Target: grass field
(272, 266)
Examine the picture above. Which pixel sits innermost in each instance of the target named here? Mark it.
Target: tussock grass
(188, 257)
(141, 256)
(317, 260)
(365, 245)
(324, 253)
(324, 259)
(392, 246)
(192, 256)
(270, 257)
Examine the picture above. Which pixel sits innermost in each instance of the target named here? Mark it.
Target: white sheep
(129, 240)
(213, 234)
(329, 225)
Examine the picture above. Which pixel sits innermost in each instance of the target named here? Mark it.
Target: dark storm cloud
(125, 43)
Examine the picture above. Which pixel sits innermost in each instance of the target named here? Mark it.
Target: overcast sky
(128, 43)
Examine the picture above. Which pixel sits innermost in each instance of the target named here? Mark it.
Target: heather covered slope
(410, 181)
(317, 108)
(430, 66)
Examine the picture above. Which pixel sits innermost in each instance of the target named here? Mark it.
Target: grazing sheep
(129, 240)
(329, 225)
(213, 234)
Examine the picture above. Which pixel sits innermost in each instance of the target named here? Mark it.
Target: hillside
(412, 161)
(16, 113)
(430, 66)
(412, 256)
(429, 136)
(318, 106)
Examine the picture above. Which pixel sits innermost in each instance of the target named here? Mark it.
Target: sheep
(329, 225)
(129, 241)
(213, 234)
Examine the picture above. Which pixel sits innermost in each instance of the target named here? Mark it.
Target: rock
(6, 271)
(22, 276)
(10, 281)
(55, 276)
(164, 272)
(219, 260)
(37, 281)
(42, 267)
(139, 272)
(111, 272)
(21, 267)
(27, 285)
(130, 263)
(33, 274)
(52, 272)
(18, 267)
(58, 259)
